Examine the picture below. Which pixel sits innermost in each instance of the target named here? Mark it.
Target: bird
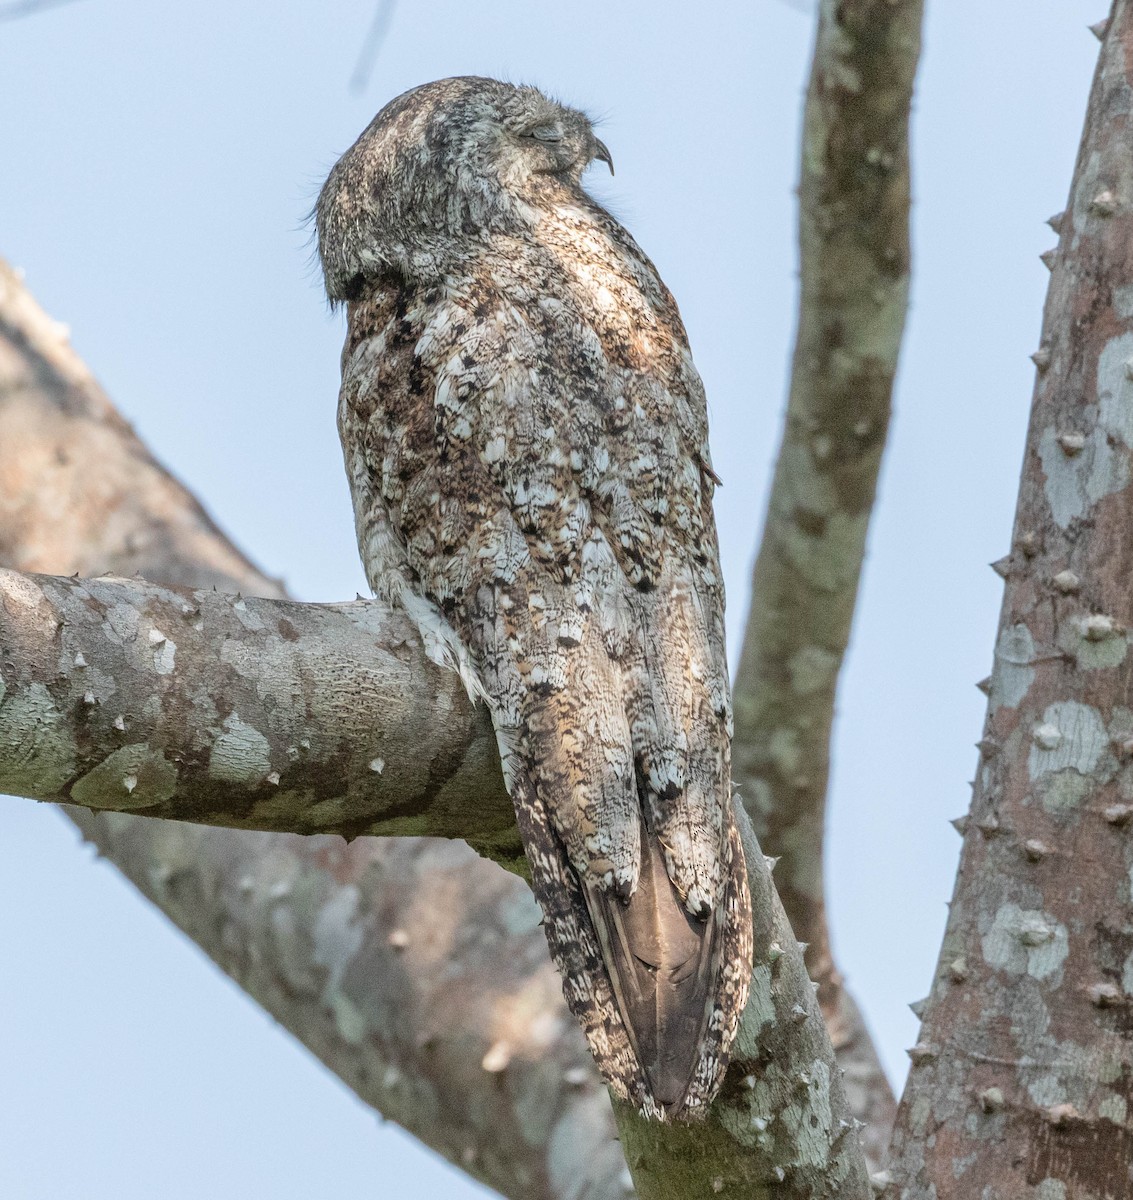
(525, 439)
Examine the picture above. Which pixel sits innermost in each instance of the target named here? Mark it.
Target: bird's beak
(601, 153)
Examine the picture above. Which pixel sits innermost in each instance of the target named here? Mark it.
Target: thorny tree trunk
(854, 241)
(1022, 1076)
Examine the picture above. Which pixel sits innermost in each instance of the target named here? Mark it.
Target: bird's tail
(658, 992)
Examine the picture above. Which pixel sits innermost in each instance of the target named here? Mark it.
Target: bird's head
(440, 165)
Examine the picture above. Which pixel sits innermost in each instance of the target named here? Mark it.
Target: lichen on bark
(1023, 1084)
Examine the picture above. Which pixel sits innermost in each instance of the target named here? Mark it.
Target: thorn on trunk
(879, 1181)
(1066, 582)
(1106, 995)
(1047, 736)
(922, 1053)
(989, 826)
(1104, 204)
(1098, 626)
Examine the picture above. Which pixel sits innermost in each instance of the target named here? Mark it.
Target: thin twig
(372, 46)
(28, 8)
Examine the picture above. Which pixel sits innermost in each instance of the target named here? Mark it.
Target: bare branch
(372, 46)
(28, 8)
(854, 238)
(414, 970)
(1020, 1080)
(123, 696)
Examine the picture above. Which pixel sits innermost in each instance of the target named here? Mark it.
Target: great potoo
(526, 440)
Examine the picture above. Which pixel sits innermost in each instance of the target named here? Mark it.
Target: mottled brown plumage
(526, 440)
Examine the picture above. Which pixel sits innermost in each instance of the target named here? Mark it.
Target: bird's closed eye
(546, 133)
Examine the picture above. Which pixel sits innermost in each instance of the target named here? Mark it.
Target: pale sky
(158, 162)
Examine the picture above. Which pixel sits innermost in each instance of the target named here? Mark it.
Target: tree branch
(854, 241)
(1021, 1076)
(123, 696)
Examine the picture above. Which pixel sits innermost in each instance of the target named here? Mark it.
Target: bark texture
(854, 240)
(468, 1044)
(125, 696)
(1022, 1077)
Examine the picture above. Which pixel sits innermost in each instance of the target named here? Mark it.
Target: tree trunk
(1020, 1084)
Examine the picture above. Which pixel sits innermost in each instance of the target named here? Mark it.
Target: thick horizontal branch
(854, 243)
(120, 695)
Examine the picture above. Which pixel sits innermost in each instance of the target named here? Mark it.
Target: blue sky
(158, 161)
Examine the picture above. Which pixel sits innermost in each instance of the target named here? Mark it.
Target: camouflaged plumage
(525, 436)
